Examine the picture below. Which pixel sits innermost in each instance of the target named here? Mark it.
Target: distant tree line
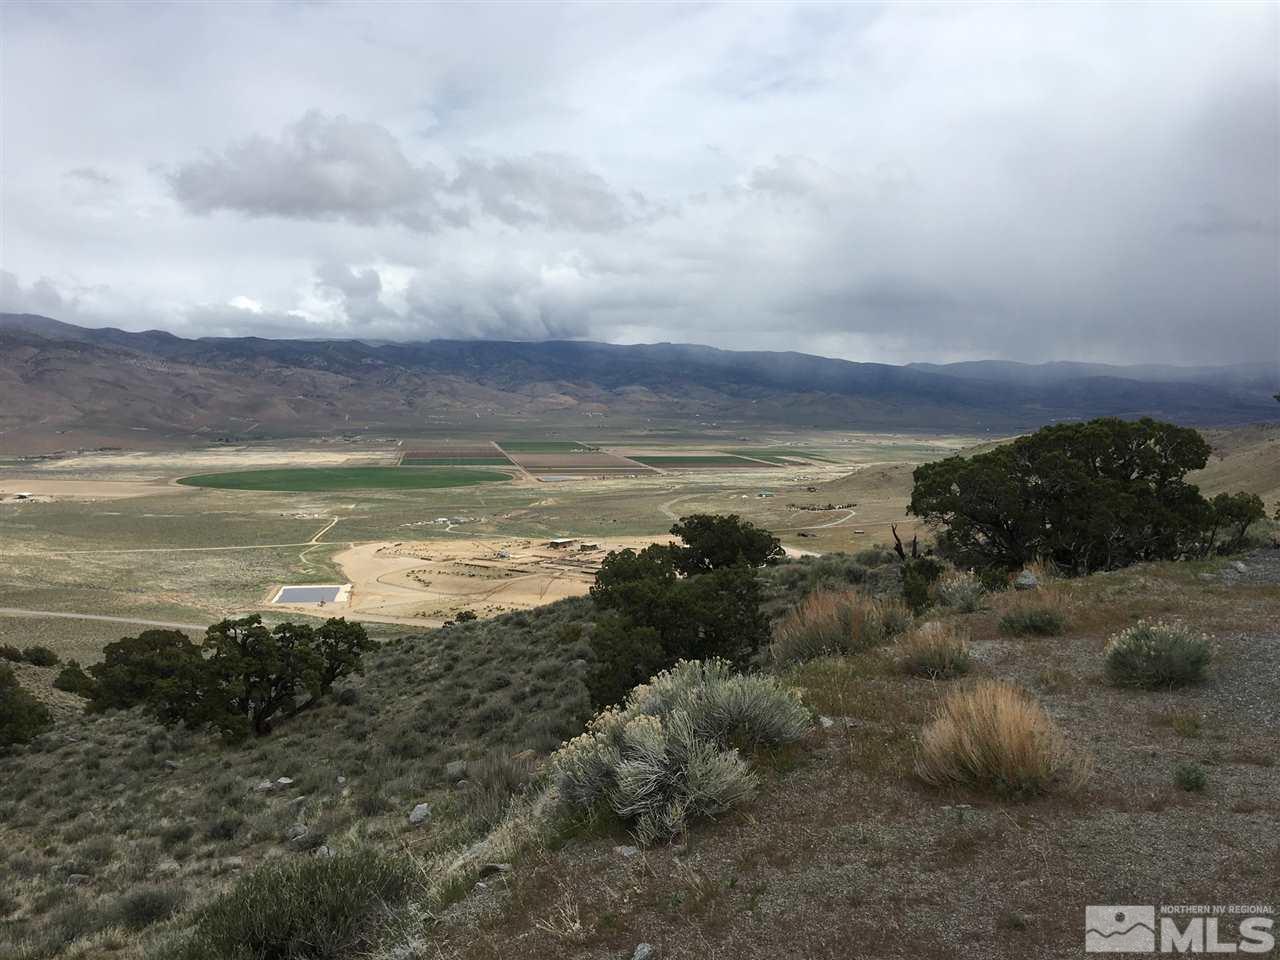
(1084, 496)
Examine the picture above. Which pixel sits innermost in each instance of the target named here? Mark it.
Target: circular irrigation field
(321, 479)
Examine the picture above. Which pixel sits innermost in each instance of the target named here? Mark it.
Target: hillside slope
(60, 384)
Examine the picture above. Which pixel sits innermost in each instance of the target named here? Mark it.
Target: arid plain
(112, 534)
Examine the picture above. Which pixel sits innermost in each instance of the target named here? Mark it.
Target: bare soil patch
(584, 462)
(37, 486)
(428, 582)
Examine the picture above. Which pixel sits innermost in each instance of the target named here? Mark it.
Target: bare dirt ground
(45, 487)
(169, 464)
(428, 582)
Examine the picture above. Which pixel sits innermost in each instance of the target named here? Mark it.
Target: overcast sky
(899, 182)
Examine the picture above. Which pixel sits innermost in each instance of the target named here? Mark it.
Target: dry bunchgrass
(830, 622)
(938, 650)
(993, 736)
(1045, 611)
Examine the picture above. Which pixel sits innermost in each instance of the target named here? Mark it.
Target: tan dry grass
(996, 737)
(836, 621)
(938, 650)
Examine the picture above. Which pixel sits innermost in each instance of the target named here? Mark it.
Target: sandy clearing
(427, 582)
(86, 489)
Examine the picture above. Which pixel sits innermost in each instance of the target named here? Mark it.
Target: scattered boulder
(455, 770)
(1026, 580)
(264, 786)
(296, 832)
(1240, 566)
(324, 851)
(626, 852)
(284, 782)
(172, 764)
(644, 951)
(420, 814)
(77, 879)
(827, 723)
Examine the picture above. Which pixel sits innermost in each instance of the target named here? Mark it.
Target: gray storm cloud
(319, 168)
(888, 182)
(323, 168)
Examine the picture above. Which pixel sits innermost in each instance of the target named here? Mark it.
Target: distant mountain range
(63, 386)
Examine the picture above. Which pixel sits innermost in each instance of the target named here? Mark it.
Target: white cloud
(898, 182)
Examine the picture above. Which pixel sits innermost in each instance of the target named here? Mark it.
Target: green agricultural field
(320, 479)
(455, 462)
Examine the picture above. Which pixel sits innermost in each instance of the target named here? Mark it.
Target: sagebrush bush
(665, 757)
(10, 653)
(995, 737)
(961, 590)
(1156, 654)
(1190, 777)
(936, 650)
(314, 909)
(828, 622)
(727, 707)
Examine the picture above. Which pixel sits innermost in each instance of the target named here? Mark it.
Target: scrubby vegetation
(1190, 777)
(936, 650)
(22, 717)
(829, 622)
(39, 656)
(73, 679)
(961, 590)
(992, 736)
(241, 851)
(322, 908)
(1156, 654)
(249, 675)
(918, 577)
(668, 757)
(1033, 620)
